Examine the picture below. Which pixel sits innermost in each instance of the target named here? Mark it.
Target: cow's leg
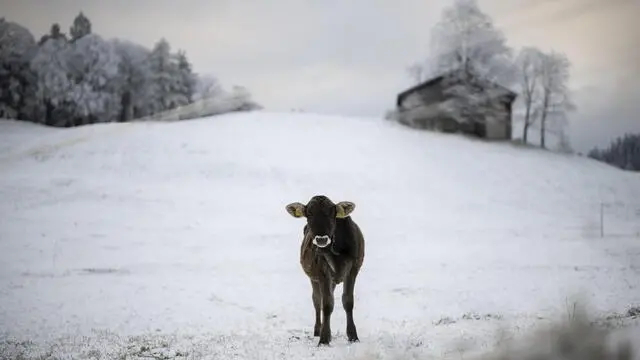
(326, 290)
(347, 304)
(317, 304)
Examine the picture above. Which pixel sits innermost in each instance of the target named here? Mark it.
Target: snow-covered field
(152, 239)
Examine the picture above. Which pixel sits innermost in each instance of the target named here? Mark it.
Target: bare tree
(544, 92)
(528, 65)
(555, 102)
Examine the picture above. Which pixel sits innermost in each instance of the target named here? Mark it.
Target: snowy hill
(177, 231)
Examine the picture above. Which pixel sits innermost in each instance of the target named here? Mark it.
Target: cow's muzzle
(321, 241)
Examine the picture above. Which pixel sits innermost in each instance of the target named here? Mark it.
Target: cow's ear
(295, 209)
(344, 208)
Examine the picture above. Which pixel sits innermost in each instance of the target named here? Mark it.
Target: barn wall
(498, 120)
(426, 109)
(421, 109)
(432, 94)
(411, 101)
(420, 116)
(496, 131)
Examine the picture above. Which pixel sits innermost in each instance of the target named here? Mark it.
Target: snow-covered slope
(178, 230)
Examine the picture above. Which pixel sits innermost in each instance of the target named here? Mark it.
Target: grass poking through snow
(573, 337)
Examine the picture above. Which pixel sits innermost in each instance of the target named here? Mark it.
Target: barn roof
(436, 80)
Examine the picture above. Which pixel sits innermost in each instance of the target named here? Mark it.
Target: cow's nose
(322, 241)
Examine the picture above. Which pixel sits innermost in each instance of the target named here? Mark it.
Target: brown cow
(332, 252)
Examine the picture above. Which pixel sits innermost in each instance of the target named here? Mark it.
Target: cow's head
(321, 214)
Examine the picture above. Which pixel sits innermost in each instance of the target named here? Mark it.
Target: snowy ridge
(176, 231)
(221, 104)
(35, 140)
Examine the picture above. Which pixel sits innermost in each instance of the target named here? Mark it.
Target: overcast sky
(349, 57)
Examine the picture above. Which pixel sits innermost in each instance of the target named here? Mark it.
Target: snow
(176, 232)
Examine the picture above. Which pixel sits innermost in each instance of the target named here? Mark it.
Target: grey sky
(349, 57)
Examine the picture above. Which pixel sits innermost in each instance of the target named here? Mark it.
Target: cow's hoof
(324, 340)
(352, 335)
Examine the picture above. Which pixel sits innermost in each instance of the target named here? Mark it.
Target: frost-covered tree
(471, 97)
(135, 80)
(206, 87)
(168, 92)
(53, 82)
(472, 55)
(242, 100)
(186, 76)
(17, 80)
(88, 79)
(555, 102)
(81, 27)
(75, 80)
(54, 33)
(238, 99)
(466, 37)
(92, 66)
(528, 67)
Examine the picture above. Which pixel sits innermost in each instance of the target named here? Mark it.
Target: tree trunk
(543, 120)
(525, 131)
(48, 113)
(126, 102)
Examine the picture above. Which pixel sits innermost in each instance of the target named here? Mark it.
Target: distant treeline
(81, 78)
(623, 152)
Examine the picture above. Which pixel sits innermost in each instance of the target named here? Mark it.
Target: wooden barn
(429, 106)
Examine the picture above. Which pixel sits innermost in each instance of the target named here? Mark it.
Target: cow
(331, 253)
